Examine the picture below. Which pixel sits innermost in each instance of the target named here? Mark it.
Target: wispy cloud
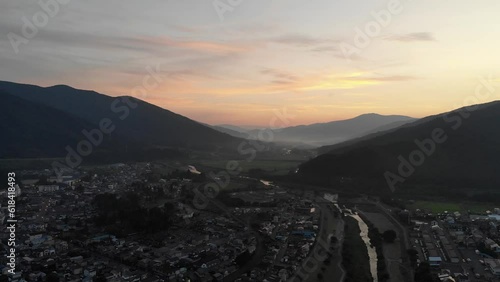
(203, 46)
(321, 49)
(279, 81)
(394, 78)
(279, 77)
(302, 40)
(346, 81)
(410, 37)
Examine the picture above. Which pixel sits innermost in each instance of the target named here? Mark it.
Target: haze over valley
(249, 141)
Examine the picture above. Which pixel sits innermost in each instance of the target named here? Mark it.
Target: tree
(52, 277)
(80, 189)
(333, 240)
(243, 258)
(413, 254)
(423, 273)
(389, 236)
(100, 278)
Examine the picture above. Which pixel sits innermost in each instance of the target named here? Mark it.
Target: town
(127, 223)
(138, 222)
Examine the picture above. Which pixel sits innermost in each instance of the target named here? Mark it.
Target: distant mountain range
(320, 134)
(235, 128)
(41, 122)
(458, 148)
(234, 133)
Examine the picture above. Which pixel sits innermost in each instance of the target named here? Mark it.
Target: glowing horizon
(261, 55)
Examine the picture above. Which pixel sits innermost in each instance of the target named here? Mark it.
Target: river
(372, 253)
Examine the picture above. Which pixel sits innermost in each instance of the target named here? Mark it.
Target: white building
(48, 188)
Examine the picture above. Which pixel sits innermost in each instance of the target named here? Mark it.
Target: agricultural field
(19, 164)
(274, 167)
(441, 207)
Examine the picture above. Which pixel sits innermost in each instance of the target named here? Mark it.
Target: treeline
(229, 201)
(132, 154)
(377, 241)
(355, 258)
(423, 273)
(126, 214)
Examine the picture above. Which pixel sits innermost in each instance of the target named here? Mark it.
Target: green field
(275, 167)
(440, 207)
(20, 164)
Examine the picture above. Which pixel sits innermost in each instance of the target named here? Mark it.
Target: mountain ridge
(137, 121)
(467, 157)
(328, 133)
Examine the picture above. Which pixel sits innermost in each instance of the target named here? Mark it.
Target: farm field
(441, 207)
(18, 164)
(276, 167)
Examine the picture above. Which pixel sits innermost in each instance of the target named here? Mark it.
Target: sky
(238, 61)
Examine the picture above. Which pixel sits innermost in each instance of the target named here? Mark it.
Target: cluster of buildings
(462, 246)
(55, 225)
(58, 236)
(288, 229)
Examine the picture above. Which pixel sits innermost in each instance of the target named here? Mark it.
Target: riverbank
(355, 258)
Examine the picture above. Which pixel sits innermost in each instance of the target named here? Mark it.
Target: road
(405, 243)
(338, 255)
(329, 226)
(392, 251)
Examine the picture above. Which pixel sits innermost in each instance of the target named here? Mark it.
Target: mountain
(368, 135)
(239, 134)
(35, 130)
(389, 126)
(232, 127)
(459, 149)
(137, 123)
(337, 131)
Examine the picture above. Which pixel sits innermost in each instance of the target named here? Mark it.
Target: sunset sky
(262, 55)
